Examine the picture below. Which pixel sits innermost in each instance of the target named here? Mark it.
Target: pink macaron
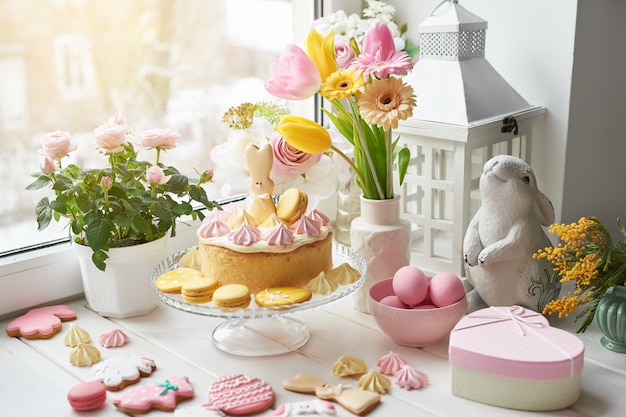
(87, 396)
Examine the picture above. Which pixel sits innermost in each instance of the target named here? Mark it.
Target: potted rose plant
(368, 98)
(128, 205)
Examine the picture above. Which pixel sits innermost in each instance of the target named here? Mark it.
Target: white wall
(567, 56)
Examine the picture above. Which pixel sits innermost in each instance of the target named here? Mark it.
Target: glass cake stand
(256, 330)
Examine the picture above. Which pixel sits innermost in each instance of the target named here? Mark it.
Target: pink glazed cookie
(239, 395)
(40, 323)
(163, 395)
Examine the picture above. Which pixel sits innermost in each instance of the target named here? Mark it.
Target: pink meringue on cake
(279, 236)
(391, 363)
(410, 378)
(112, 339)
(317, 215)
(213, 227)
(306, 226)
(245, 235)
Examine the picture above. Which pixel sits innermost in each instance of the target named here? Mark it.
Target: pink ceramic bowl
(416, 328)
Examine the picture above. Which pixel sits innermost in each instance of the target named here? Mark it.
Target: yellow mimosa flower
(321, 50)
(304, 134)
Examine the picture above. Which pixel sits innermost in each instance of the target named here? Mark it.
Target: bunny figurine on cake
(503, 235)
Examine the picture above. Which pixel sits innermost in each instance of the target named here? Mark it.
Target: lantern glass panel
(442, 244)
(443, 167)
(443, 203)
(417, 239)
(416, 166)
(414, 200)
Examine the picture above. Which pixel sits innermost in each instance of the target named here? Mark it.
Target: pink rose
(293, 76)
(289, 161)
(158, 138)
(110, 136)
(155, 175)
(106, 183)
(343, 52)
(48, 166)
(56, 145)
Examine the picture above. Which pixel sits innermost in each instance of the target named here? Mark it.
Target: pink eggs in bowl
(419, 326)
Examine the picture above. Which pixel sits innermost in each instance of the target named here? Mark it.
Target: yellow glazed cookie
(199, 290)
(282, 296)
(171, 281)
(232, 296)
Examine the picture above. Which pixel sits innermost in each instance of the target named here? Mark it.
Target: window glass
(176, 64)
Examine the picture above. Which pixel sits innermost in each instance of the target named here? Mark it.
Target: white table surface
(36, 375)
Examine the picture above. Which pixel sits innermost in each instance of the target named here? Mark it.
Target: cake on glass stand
(256, 330)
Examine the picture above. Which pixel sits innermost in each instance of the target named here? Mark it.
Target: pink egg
(393, 301)
(446, 289)
(424, 307)
(410, 285)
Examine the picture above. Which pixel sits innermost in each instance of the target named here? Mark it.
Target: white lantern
(466, 113)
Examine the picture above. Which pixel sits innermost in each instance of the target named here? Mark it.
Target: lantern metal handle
(509, 125)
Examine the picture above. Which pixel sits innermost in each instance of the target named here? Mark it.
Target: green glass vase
(610, 317)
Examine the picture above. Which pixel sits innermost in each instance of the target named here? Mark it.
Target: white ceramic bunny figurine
(502, 237)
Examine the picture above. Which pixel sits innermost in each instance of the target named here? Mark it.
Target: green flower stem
(366, 150)
(388, 160)
(158, 149)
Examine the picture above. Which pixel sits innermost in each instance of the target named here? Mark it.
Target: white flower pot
(123, 289)
(383, 239)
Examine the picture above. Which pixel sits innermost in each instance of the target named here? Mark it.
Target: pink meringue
(213, 227)
(410, 378)
(245, 235)
(279, 236)
(112, 339)
(306, 226)
(391, 363)
(317, 215)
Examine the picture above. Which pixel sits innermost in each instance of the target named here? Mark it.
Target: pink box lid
(515, 342)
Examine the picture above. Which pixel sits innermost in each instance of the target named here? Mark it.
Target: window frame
(49, 273)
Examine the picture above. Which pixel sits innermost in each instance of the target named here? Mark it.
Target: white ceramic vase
(123, 289)
(383, 239)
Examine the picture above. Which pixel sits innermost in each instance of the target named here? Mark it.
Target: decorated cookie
(239, 395)
(232, 296)
(84, 354)
(355, 400)
(76, 335)
(113, 338)
(120, 371)
(40, 323)
(282, 296)
(306, 408)
(87, 396)
(161, 395)
(198, 291)
(171, 281)
(348, 366)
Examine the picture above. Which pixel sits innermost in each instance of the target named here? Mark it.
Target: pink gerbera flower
(380, 57)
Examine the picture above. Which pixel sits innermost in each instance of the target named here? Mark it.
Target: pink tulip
(293, 76)
(155, 175)
(158, 138)
(110, 137)
(379, 56)
(56, 145)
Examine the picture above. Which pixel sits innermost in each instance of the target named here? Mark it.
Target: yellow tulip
(304, 134)
(321, 50)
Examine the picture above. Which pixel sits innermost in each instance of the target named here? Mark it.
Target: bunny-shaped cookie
(503, 235)
(259, 160)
